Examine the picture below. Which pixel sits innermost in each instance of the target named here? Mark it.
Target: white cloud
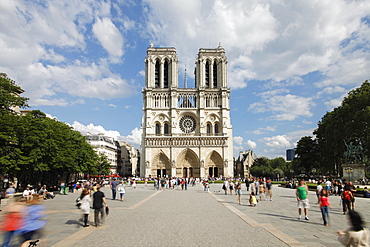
(37, 41)
(112, 105)
(277, 145)
(109, 36)
(134, 138)
(270, 40)
(263, 130)
(284, 107)
(238, 140)
(95, 129)
(251, 144)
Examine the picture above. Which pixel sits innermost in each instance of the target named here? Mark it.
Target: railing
(186, 141)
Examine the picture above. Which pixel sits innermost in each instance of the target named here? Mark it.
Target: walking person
(247, 183)
(318, 191)
(121, 188)
(113, 187)
(34, 219)
(302, 198)
(269, 188)
(98, 205)
(239, 191)
(12, 221)
(261, 190)
(231, 187)
(85, 205)
(325, 206)
(356, 235)
(346, 200)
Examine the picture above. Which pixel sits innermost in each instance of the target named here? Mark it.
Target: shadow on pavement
(283, 217)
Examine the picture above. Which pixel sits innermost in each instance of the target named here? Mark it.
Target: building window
(216, 128)
(157, 129)
(157, 74)
(166, 129)
(207, 74)
(208, 128)
(214, 74)
(165, 74)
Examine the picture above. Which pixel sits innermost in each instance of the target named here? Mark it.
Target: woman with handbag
(85, 205)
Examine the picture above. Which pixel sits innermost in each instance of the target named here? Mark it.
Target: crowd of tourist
(25, 217)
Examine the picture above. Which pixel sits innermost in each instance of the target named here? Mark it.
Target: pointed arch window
(215, 74)
(166, 129)
(157, 129)
(157, 74)
(208, 128)
(207, 74)
(216, 128)
(165, 74)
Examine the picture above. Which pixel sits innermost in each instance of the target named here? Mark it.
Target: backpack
(346, 195)
(78, 202)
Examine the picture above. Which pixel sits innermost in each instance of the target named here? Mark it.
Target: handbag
(106, 210)
(78, 202)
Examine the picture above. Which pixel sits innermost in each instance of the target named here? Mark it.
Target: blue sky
(289, 61)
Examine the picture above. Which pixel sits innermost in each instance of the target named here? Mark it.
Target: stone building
(130, 158)
(243, 163)
(186, 132)
(107, 146)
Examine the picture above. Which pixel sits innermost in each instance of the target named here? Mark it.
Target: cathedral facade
(186, 132)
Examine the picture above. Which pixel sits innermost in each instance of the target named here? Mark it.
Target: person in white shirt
(27, 193)
(328, 186)
(318, 191)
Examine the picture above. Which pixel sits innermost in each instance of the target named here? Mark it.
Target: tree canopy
(347, 124)
(36, 149)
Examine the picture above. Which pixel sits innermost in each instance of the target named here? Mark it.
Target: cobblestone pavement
(194, 218)
(282, 214)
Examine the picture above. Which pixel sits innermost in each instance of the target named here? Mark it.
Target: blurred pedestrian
(356, 235)
(239, 192)
(12, 221)
(85, 205)
(99, 204)
(34, 219)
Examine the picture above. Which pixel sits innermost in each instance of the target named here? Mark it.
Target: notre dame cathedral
(186, 132)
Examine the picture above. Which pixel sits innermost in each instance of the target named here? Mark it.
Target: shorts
(303, 203)
(328, 187)
(240, 192)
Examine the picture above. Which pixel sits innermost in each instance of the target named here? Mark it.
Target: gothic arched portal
(161, 165)
(187, 164)
(214, 166)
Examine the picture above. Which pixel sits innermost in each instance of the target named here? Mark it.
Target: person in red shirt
(325, 206)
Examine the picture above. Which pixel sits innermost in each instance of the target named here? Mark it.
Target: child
(324, 206)
(252, 199)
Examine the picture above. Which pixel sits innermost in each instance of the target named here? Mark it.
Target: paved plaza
(195, 218)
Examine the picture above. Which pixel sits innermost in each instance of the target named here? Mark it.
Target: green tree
(306, 155)
(261, 168)
(10, 96)
(349, 122)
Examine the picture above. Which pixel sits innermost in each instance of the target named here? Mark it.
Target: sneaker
(306, 218)
(300, 217)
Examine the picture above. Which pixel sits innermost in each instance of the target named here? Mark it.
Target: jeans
(8, 237)
(99, 221)
(114, 193)
(325, 214)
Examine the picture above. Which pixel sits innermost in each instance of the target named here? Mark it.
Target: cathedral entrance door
(185, 173)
